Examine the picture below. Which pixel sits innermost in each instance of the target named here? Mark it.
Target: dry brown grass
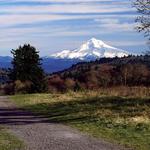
(122, 91)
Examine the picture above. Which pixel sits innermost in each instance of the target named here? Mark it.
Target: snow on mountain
(92, 49)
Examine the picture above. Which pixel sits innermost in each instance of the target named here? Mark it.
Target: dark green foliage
(27, 68)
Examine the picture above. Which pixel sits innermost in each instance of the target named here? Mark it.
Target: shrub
(22, 87)
(8, 89)
(69, 84)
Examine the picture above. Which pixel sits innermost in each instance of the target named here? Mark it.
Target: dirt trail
(39, 134)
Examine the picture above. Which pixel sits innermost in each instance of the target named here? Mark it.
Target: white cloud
(15, 15)
(30, 23)
(127, 43)
(66, 1)
(71, 8)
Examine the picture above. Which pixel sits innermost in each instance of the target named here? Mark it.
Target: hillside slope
(106, 72)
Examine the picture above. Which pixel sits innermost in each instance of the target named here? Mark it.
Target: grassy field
(8, 141)
(122, 120)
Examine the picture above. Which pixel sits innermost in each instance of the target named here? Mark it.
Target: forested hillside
(106, 72)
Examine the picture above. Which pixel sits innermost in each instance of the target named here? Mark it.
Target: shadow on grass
(83, 110)
(78, 111)
(12, 116)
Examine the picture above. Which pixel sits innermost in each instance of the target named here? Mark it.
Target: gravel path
(39, 134)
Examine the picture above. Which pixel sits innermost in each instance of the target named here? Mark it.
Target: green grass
(125, 121)
(8, 141)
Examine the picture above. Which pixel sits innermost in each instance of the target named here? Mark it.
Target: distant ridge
(5, 61)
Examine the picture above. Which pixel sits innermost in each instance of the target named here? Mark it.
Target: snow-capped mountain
(90, 50)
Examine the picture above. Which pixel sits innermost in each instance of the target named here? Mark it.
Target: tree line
(106, 72)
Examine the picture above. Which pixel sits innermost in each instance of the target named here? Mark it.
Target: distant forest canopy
(106, 72)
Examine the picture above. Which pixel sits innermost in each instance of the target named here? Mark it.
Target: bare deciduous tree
(143, 7)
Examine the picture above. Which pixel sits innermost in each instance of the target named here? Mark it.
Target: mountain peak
(96, 43)
(91, 50)
(95, 40)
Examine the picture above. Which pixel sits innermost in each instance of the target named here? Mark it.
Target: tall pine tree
(27, 67)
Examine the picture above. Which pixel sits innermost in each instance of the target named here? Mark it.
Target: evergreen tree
(27, 68)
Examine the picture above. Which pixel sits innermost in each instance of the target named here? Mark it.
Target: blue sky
(52, 26)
